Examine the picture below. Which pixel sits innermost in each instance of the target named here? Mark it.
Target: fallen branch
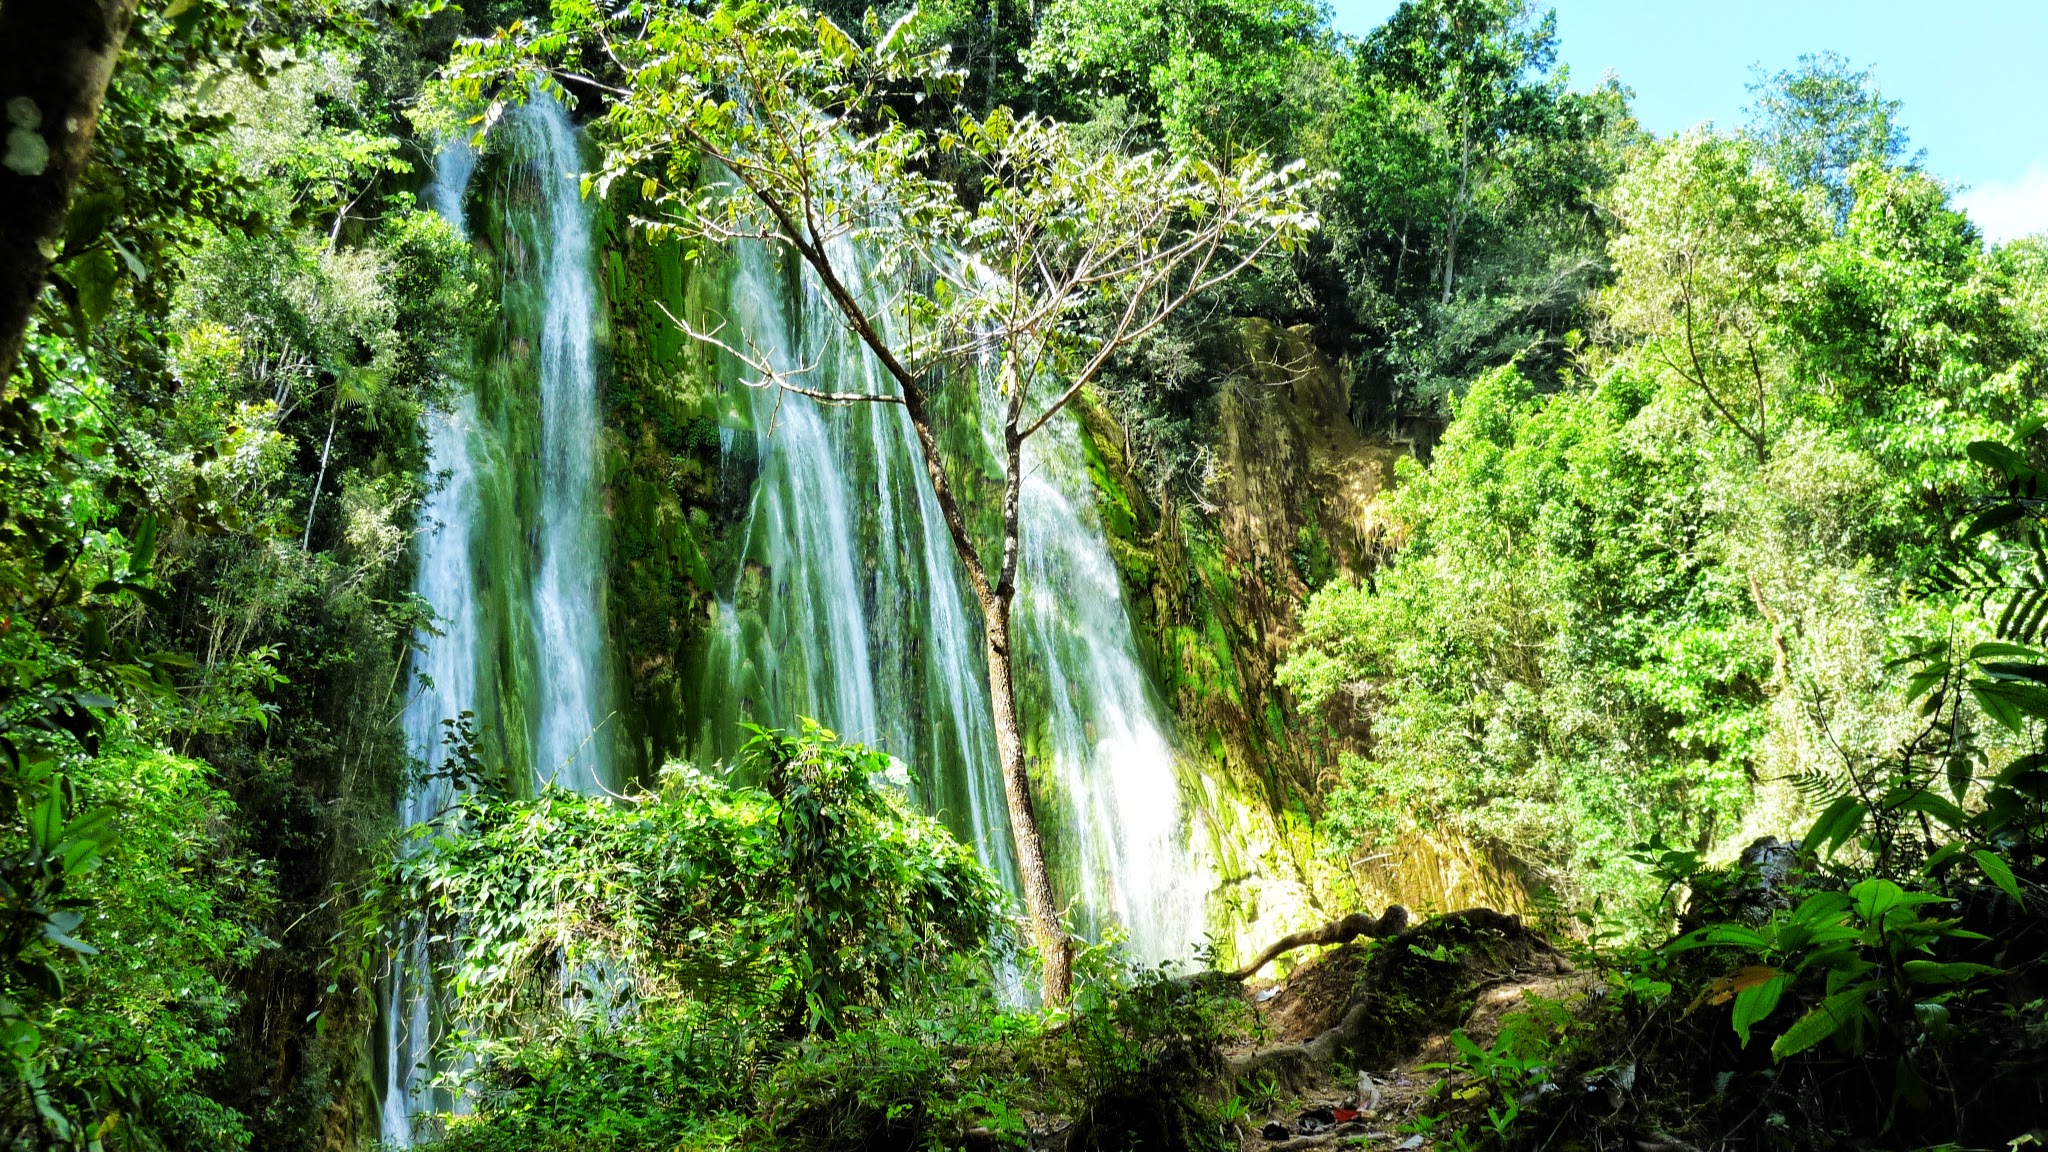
(1389, 923)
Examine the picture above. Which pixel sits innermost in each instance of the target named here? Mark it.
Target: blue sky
(1973, 74)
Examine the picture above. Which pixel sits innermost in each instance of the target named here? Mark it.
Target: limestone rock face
(1292, 502)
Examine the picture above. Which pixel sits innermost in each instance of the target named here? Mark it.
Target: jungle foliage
(804, 961)
(1657, 593)
(212, 453)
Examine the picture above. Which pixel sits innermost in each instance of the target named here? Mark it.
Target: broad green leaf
(1996, 649)
(1931, 972)
(1826, 1018)
(142, 550)
(2021, 766)
(1821, 907)
(1995, 705)
(1838, 822)
(1942, 809)
(1757, 1001)
(1991, 519)
(1877, 898)
(1997, 871)
(1962, 771)
(2000, 457)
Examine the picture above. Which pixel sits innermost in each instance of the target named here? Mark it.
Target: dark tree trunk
(55, 59)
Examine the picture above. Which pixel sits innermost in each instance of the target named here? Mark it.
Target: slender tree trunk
(1400, 259)
(1458, 213)
(55, 59)
(313, 505)
(1055, 949)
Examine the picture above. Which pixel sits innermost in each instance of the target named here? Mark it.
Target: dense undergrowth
(804, 962)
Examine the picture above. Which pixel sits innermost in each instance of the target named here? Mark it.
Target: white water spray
(445, 665)
(846, 545)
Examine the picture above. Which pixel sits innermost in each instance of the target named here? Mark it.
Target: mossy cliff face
(1217, 590)
(678, 480)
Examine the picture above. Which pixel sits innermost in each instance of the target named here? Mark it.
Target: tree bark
(55, 59)
(1458, 212)
(1055, 947)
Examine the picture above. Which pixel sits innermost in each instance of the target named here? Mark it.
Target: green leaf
(1941, 856)
(142, 550)
(1826, 1018)
(1931, 972)
(2020, 767)
(1821, 908)
(57, 928)
(1998, 706)
(1465, 1045)
(835, 44)
(2001, 458)
(1991, 519)
(1997, 871)
(94, 274)
(1938, 807)
(1838, 822)
(1878, 898)
(89, 218)
(1995, 649)
(46, 822)
(1962, 771)
(1718, 936)
(1756, 1002)
(1925, 679)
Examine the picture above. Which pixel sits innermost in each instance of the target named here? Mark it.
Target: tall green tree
(1464, 229)
(1816, 121)
(1473, 63)
(1206, 77)
(1652, 593)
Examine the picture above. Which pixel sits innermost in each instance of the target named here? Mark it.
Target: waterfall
(842, 599)
(1110, 740)
(445, 663)
(568, 591)
(849, 605)
(511, 562)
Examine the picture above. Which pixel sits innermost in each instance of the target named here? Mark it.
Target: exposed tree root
(1344, 931)
(1369, 1023)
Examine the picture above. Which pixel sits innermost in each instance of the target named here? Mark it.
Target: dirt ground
(1391, 1007)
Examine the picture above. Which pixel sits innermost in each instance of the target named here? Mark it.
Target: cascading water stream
(553, 586)
(845, 541)
(445, 665)
(1111, 744)
(568, 590)
(847, 603)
